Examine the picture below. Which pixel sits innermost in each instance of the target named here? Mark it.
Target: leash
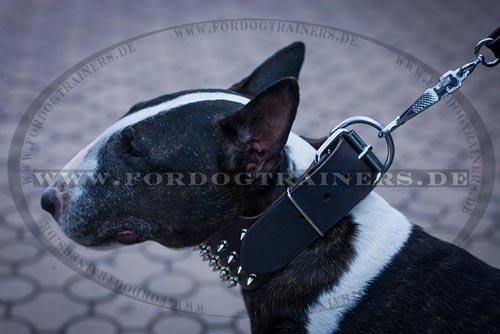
(252, 249)
(449, 82)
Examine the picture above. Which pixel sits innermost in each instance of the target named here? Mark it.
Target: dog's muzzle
(51, 201)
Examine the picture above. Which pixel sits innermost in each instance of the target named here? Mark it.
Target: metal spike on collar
(232, 257)
(222, 245)
(214, 260)
(233, 281)
(224, 273)
(239, 270)
(205, 252)
(242, 234)
(251, 278)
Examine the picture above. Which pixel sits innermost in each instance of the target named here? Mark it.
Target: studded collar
(251, 250)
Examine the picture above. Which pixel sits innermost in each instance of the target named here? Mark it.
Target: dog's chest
(381, 232)
(339, 271)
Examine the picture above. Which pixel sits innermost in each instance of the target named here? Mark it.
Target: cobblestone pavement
(42, 39)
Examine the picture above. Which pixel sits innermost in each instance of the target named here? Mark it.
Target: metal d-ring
(341, 129)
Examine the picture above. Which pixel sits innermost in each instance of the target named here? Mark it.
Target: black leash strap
(494, 44)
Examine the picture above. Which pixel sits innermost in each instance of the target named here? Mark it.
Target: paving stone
(92, 325)
(14, 251)
(49, 270)
(177, 284)
(84, 290)
(49, 310)
(13, 289)
(13, 326)
(131, 313)
(178, 325)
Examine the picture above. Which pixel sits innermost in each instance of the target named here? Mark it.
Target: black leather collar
(251, 249)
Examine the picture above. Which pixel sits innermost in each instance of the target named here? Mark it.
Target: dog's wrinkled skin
(372, 273)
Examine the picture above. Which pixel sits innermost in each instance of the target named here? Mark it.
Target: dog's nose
(49, 200)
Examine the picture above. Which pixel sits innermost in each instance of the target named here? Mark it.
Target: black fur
(431, 286)
(280, 306)
(287, 62)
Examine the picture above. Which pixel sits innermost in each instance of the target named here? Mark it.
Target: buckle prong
(332, 136)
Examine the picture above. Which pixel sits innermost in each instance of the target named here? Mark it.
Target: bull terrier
(374, 272)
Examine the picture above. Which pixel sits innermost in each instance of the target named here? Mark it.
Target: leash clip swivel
(448, 83)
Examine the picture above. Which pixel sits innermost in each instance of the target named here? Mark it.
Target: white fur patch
(301, 154)
(381, 231)
(77, 162)
(170, 105)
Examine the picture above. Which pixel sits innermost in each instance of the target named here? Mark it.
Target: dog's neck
(340, 265)
(299, 155)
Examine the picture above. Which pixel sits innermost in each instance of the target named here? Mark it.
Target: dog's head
(165, 170)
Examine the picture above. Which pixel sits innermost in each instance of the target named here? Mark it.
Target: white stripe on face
(170, 105)
(82, 158)
(77, 161)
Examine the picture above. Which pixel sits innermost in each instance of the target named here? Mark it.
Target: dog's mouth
(129, 237)
(130, 234)
(124, 237)
(105, 234)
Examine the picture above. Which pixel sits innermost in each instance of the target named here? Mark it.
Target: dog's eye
(130, 145)
(133, 151)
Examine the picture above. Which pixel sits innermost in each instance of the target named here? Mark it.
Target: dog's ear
(284, 63)
(255, 136)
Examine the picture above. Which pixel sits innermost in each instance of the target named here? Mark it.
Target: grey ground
(42, 39)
